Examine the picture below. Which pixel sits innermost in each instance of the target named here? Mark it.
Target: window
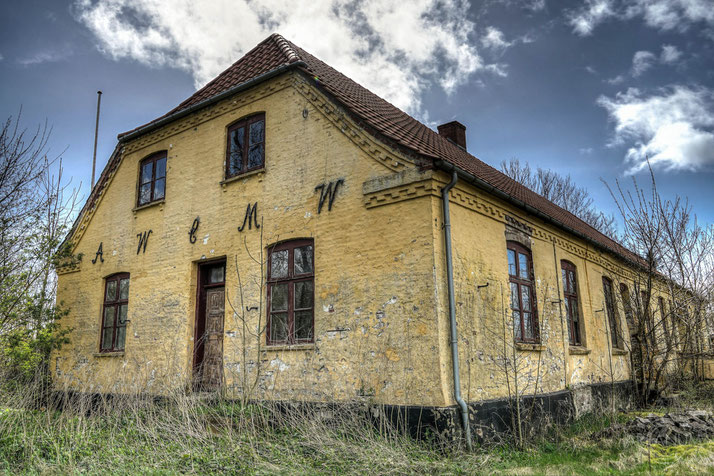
(572, 307)
(291, 282)
(114, 312)
(627, 306)
(152, 178)
(665, 325)
(246, 145)
(523, 302)
(611, 313)
(648, 318)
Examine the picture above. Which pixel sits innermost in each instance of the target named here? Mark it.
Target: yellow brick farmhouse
(286, 234)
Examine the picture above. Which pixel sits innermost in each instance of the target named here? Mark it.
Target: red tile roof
(386, 119)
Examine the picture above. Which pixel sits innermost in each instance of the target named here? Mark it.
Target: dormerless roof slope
(275, 54)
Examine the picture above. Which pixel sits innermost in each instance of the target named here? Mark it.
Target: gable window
(246, 145)
(572, 305)
(523, 302)
(291, 282)
(114, 312)
(611, 313)
(152, 179)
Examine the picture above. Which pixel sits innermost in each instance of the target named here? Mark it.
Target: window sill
(109, 354)
(526, 347)
(619, 352)
(290, 347)
(225, 182)
(149, 205)
(578, 350)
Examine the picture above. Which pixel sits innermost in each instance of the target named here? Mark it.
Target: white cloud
(494, 39)
(674, 128)
(586, 150)
(44, 57)
(591, 15)
(670, 54)
(641, 62)
(659, 14)
(396, 49)
(535, 5)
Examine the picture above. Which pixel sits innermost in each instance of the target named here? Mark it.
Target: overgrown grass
(185, 434)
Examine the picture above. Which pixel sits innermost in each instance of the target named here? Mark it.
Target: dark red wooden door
(212, 373)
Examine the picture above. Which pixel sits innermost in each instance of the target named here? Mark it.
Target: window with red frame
(246, 145)
(523, 302)
(291, 282)
(572, 305)
(152, 179)
(114, 312)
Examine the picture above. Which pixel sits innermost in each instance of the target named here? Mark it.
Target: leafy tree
(36, 208)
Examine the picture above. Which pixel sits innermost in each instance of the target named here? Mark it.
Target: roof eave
(448, 167)
(207, 102)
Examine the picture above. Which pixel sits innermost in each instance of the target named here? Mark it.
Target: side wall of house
(481, 226)
(374, 296)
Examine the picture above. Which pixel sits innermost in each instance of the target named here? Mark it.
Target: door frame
(199, 324)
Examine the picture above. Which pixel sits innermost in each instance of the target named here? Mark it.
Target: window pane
(571, 281)
(303, 325)
(111, 291)
(522, 266)
(256, 132)
(146, 172)
(217, 274)
(159, 187)
(303, 260)
(121, 333)
(517, 325)
(514, 296)
(526, 298)
(160, 168)
(255, 156)
(235, 158)
(512, 263)
(279, 327)
(279, 264)
(567, 308)
(528, 325)
(107, 338)
(122, 314)
(124, 289)
(574, 313)
(565, 280)
(109, 316)
(279, 297)
(145, 194)
(303, 295)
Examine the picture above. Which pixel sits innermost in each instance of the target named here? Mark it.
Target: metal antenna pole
(96, 132)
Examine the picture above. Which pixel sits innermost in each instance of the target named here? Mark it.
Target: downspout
(452, 311)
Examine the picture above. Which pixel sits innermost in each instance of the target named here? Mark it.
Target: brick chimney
(455, 132)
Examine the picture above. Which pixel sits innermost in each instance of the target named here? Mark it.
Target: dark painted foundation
(490, 420)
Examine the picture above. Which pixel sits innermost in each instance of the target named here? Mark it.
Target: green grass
(187, 436)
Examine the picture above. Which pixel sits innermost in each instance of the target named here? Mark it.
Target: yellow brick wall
(372, 280)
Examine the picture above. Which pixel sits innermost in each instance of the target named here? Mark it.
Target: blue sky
(588, 88)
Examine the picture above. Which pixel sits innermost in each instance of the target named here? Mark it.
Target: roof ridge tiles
(286, 47)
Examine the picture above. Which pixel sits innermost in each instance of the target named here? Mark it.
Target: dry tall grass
(203, 433)
(180, 433)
